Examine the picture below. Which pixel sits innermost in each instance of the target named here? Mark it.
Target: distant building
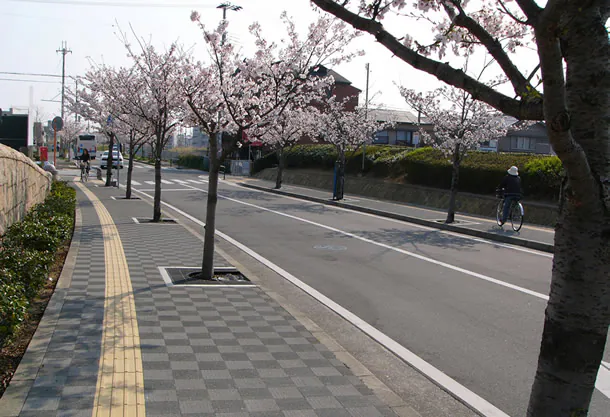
(532, 139)
(199, 139)
(405, 130)
(14, 129)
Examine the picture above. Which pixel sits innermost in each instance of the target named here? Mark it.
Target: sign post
(57, 124)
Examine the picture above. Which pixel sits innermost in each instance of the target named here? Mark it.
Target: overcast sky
(32, 31)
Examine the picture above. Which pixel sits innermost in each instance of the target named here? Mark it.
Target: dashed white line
(166, 182)
(150, 182)
(133, 182)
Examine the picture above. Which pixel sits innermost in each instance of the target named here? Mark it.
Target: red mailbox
(44, 153)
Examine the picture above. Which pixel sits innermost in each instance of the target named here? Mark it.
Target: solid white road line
(461, 392)
(390, 247)
(418, 226)
(165, 189)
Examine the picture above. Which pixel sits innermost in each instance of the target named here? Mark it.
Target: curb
(530, 244)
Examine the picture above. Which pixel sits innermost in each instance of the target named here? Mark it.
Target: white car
(117, 160)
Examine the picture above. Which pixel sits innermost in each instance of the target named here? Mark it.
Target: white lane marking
(166, 182)
(179, 181)
(390, 247)
(464, 394)
(525, 227)
(135, 220)
(602, 383)
(196, 182)
(419, 226)
(133, 182)
(150, 182)
(165, 189)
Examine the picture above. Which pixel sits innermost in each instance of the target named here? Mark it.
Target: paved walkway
(117, 341)
(535, 237)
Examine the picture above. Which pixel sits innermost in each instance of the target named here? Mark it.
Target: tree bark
(455, 177)
(109, 161)
(340, 176)
(280, 168)
(578, 118)
(157, 200)
(129, 172)
(207, 266)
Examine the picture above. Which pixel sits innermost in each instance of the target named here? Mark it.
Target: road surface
(472, 309)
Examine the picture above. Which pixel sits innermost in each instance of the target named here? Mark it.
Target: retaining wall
(23, 184)
(481, 205)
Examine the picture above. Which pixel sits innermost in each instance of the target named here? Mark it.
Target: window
(520, 143)
(404, 137)
(382, 137)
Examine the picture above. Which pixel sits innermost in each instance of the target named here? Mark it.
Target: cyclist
(511, 188)
(85, 161)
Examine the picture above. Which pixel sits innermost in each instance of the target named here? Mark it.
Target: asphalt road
(472, 309)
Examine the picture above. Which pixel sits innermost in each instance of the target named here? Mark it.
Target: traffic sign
(57, 123)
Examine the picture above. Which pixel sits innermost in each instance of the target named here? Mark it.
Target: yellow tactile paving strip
(120, 381)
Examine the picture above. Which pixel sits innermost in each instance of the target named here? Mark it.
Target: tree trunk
(157, 202)
(129, 171)
(207, 266)
(109, 161)
(455, 177)
(280, 168)
(577, 315)
(340, 187)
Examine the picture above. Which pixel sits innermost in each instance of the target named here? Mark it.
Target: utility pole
(64, 51)
(366, 111)
(224, 6)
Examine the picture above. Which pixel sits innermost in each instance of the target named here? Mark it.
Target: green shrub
(13, 302)
(191, 161)
(28, 248)
(480, 172)
(267, 161)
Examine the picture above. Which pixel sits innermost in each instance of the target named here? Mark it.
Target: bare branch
(530, 9)
(509, 13)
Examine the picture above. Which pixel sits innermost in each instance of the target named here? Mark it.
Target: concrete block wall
(476, 204)
(23, 184)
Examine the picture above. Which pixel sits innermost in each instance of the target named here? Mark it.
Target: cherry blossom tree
(97, 105)
(72, 128)
(286, 131)
(151, 95)
(573, 49)
(460, 124)
(347, 131)
(138, 133)
(236, 96)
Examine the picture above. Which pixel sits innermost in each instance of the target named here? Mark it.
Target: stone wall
(482, 205)
(23, 184)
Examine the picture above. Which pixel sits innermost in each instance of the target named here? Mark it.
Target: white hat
(513, 170)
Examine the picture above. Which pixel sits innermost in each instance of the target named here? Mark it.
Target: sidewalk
(117, 341)
(533, 237)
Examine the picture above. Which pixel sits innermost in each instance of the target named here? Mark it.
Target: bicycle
(84, 171)
(515, 213)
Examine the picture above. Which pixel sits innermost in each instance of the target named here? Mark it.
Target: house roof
(396, 116)
(323, 71)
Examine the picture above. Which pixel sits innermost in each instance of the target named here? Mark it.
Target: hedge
(27, 250)
(480, 172)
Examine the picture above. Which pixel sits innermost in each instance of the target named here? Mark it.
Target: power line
(30, 73)
(115, 4)
(30, 81)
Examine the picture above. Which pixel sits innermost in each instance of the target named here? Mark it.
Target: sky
(33, 30)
